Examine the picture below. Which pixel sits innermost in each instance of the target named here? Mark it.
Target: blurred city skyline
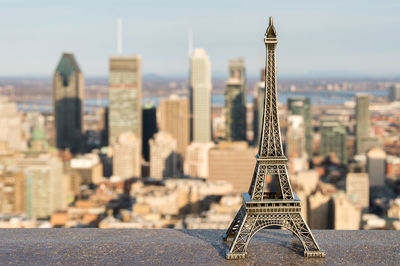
(164, 140)
(340, 39)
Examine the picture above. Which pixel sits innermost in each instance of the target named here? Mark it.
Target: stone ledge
(190, 247)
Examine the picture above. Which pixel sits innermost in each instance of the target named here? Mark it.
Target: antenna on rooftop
(119, 36)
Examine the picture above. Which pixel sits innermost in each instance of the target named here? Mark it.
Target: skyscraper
(103, 125)
(68, 94)
(319, 210)
(296, 144)
(357, 187)
(12, 192)
(200, 96)
(237, 69)
(362, 122)
(38, 142)
(174, 118)
(44, 185)
(88, 167)
(376, 167)
(333, 140)
(394, 92)
(164, 161)
(347, 215)
(295, 137)
(259, 91)
(127, 156)
(149, 128)
(235, 101)
(125, 96)
(11, 132)
(232, 162)
(196, 159)
(302, 106)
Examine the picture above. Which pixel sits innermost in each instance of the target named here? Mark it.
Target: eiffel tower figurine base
(256, 215)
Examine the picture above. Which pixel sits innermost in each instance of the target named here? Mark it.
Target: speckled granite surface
(190, 247)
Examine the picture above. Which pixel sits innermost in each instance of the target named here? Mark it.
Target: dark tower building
(149, 128)
(103, 126)
(235, 101)
(68, 90)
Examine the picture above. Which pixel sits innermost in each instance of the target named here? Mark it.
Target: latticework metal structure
(262, 206)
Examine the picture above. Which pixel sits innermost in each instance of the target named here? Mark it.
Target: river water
(318, 98)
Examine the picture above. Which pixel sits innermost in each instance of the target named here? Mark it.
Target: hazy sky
(360, 37)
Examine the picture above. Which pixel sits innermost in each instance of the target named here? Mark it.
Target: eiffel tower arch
(267, 203)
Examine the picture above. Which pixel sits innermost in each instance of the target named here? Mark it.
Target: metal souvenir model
(262, 207)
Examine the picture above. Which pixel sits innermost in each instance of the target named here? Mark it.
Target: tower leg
(303, 232)
(248, 225)
(238, 248)
(234, 225)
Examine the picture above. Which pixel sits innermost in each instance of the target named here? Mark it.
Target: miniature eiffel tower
(262, 209)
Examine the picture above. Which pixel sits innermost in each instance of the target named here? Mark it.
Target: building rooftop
(38, 134)
(190, 247)
(67, 65)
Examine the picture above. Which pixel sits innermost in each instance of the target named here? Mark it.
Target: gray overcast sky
(349, 36)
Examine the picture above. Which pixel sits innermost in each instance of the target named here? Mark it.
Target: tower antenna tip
(271, 32)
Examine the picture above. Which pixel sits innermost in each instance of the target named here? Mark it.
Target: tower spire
(271, 32)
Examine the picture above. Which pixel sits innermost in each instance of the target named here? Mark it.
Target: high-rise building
(302, 106)
(296, 144)
(200, 96)
(44, 185)
(376, 167)
(237, 69)
(357, 188)
(333, 140)
(88, 167)
(319, 211)
(295, 137)
(347, 215)
(164, 160)
(259, 94)
(68, 96)
(33, 124)
(393, 167)
(304, 183)
(127, 156)
(125, 96)
(362, 122)
(33, 120)
(232, 162)
(174, 118)
(38, 141)
(11, 133)
(196, 159)
(149, 128)
(235, 101)
(394, 92)
(103, 125)
(12, 192)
